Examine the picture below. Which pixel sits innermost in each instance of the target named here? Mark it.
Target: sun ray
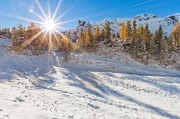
(48, 23)
(23, 45)
(6, 58)
(65, 12)
(63, 36)
(44, 38)
(57, 39)
(50, 42)
(49, 11)
(110, 11)
(40, 7)
(19, 17)
(57, 8)
(39, 16)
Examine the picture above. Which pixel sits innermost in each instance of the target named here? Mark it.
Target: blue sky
(90, 10)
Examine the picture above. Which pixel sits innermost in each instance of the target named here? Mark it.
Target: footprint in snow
(93, 106)
(19, 99)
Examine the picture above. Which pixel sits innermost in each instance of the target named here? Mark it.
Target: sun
(49, 25)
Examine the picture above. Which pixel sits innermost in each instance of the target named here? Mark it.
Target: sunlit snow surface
(88, 87)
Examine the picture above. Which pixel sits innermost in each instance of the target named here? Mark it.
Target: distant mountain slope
(153, 21)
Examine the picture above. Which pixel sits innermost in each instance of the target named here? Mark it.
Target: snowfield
(87, 87)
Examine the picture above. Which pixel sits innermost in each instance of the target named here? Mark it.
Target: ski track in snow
(88, 87)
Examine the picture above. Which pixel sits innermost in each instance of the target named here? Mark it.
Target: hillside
(154, 22)
(87, 87)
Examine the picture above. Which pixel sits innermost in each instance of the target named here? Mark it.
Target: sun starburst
(49, 25)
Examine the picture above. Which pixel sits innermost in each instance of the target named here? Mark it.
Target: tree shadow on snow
(90, 83)
(5, 76)
(164, 85)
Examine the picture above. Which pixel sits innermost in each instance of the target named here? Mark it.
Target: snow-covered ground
(87, 87)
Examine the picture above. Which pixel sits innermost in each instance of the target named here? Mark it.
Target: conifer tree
(176, 35)
(69, 42)
(147, 36)
(135, 48)
(37, 43)
(125, 32)
(64, 46)
(117, 35)
(97, 32)
(134, 32)
(159, 38)
(155, 41)
(129, 29)
(81, 40)
(89, 38)
(102, 34)
(140, 32)
(8, 33)
(122, 29)
(160, 32)
(13, 32)
(164, 51)
(19, 36)
(107, 30)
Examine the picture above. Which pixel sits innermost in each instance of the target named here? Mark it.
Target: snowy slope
(153, 21)
(87, 87)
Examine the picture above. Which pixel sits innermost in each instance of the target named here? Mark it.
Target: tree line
(143, 44)
(31, 39)
(5, 33)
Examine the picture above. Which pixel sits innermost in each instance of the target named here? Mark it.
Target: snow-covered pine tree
(13, 32)
(142, 51)
(134, 43)
(134, 33)
(135, 49)
(147, 36)
(19, 37)
(160, 38)
(164, 51)
(154, 44)
(157, 38)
